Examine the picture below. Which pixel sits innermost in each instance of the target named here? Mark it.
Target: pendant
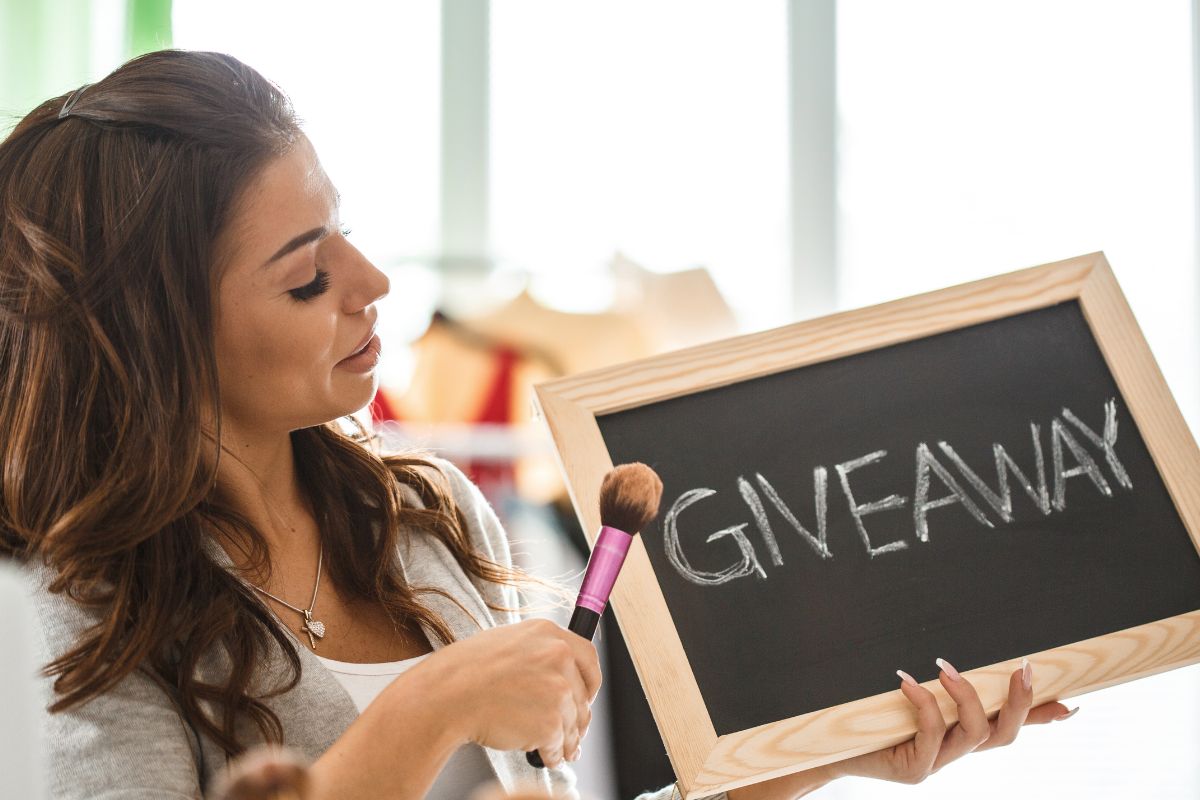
(313, 627)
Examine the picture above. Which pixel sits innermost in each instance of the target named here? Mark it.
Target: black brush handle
(583, 622)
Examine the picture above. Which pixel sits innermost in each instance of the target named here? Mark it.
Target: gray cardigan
(133, 744)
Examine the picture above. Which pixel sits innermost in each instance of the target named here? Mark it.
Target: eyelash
(319, 284)
(311, 290)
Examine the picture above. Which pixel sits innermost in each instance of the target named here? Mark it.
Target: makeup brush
(629, 499)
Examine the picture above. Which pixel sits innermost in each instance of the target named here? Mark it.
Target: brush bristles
(629, 497)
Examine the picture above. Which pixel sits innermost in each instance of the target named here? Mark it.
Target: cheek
(275, 345)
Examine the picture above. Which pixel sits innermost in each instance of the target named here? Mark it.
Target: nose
(369, 285)
(380, 285)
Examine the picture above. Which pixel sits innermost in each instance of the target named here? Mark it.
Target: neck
(257, 474)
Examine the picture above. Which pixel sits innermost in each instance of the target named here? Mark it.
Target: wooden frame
(705, 763)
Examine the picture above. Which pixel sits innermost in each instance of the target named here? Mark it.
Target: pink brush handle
(603, 566)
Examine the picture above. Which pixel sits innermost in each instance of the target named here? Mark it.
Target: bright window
(364, 78)
(979, 138)
(658, 129)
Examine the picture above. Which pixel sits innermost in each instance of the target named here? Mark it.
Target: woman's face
(294, 301)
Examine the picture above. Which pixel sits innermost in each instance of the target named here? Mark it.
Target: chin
(337, 401)
(357, 400)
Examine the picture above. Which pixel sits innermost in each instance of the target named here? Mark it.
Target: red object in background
(495, 478)
(381, 408)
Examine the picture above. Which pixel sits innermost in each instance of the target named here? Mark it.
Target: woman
(183, 324)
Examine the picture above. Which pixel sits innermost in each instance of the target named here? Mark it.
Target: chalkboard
(769, 632)
(983, 473)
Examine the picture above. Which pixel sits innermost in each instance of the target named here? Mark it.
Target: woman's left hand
(935, 744)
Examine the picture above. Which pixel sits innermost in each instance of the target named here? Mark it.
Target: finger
(972, 728)
(552, 753)
(581, 697)
(571, 742)
(1050, 712)
(910, 761)
(584, 732)
(573, 694)
(588, 661)
(552, 748)
(922, 750)
(581, 729)
(1015, 710)
(573, 734)
(569, 738)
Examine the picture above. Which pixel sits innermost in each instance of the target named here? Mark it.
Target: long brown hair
(111, 201)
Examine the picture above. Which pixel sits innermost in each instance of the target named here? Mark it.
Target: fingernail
(578, 752)
(1067, 715)
(1026, 674)
(904, 676)
(948, 669)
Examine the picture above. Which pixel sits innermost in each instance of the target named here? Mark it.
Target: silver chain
(312, 603)
(314, 628)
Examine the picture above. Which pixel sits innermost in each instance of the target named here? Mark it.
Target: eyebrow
(314, 235)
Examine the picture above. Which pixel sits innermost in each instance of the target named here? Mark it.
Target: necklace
(313, 627)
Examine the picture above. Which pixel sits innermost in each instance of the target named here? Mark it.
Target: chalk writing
(1001, 502)
(1064, 445)
(860, 510)
(749, 563)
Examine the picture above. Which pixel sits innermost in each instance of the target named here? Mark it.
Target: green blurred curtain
(48, 47)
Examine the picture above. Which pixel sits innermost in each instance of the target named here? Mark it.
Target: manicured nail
(948, 669)
(1026, 674)
(904, 676)
(578, 752)
(1067, 715)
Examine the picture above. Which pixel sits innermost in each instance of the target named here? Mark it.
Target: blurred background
(557, 185)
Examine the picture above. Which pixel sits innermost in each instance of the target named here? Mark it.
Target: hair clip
(69, 103)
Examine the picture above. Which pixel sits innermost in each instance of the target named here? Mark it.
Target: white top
(468, 766)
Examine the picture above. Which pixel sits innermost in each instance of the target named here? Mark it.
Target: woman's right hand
(524, 686)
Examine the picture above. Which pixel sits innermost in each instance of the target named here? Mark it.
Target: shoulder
(59, 620)
(482, 524)
(447, 476)
(132, 737)
(485, 535)
(450, 478)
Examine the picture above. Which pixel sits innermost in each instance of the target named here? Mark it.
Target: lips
(363, 344)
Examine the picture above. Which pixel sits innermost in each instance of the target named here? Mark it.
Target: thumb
(1048, 712)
